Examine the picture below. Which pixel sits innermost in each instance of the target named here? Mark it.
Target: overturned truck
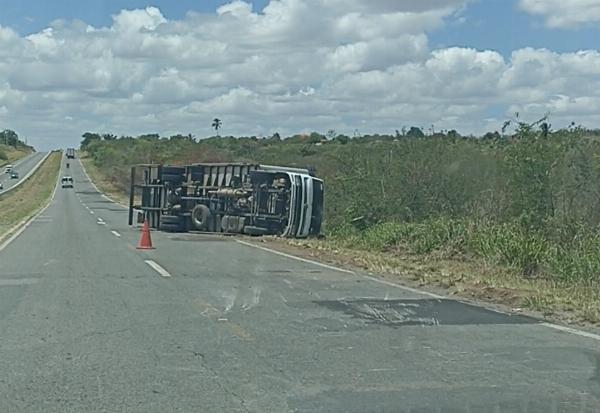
(228, 198)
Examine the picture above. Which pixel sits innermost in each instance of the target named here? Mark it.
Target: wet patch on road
(424, 312)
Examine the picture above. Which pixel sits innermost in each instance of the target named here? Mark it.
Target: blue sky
(33, 15)
(489, 24)
(298, 66)
(500, 25)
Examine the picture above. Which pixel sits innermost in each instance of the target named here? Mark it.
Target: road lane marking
(331, 267)
(116, 234)
(283, 254)
(19, 228)
(572, 331)
(92, 212)
(98, 190)
(158, 268)
(409, 289)
(17, 282)
(557, 327)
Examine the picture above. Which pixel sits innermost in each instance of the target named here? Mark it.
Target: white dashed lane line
(116, 234)
(164, 273)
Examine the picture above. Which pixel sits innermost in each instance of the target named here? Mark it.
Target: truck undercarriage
(228, 198)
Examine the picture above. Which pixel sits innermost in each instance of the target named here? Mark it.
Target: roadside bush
(530, 201)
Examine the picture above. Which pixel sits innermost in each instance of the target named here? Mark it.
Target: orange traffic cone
(145, 239)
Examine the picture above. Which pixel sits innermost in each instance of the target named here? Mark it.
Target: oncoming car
(14, 175)
(66, 182)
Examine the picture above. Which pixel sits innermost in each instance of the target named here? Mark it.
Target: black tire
(200, 217)
(170, 219)
(172, 178)
(171, 223)
(255, 231)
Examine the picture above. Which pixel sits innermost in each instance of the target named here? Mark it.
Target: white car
(8, 169)
(66, 182)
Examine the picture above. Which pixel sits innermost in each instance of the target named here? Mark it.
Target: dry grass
(30, 196)
(101, 180)
(13, 154)
(469, 279)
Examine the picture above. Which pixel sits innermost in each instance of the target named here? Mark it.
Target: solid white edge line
(98, 190)
(331, 267)
(557, 327)
(283, 254)
(570, 330)
(403, 287)
(158, 268)
(116, 234)
(23, 225)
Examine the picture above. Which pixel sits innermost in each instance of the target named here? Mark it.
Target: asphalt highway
(208, 324)
(22, 166)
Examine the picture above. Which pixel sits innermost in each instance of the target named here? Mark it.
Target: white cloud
(299, 65)
(564, 13)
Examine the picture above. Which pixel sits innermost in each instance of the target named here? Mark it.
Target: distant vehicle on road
(8, 169)
(66, 182)
(229, 198)
(70, 153)
(14, 175)
(1, 185)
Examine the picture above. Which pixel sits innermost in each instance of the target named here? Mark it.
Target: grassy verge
(103, 181)
(442, 266)
(30, 196)
(12, 154)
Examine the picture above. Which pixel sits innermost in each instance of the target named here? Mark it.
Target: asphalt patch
(425, 312)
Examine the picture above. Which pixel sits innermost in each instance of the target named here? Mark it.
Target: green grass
(111, 187)
(32, 195)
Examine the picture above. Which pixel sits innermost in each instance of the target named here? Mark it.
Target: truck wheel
(171, 223)
(170, 219)
(200, 217)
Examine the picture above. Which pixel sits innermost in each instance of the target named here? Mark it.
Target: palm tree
(217, 125)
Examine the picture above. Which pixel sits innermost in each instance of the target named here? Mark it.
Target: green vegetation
(31, 196)
(528, 202)
(11, 148)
